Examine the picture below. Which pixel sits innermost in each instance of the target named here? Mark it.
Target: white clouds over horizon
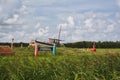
(37, 19)
(118, 2)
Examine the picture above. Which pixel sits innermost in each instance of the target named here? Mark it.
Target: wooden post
(36, 50)
(94, 45)
(21, 45)
(12, 43)
(54, 49)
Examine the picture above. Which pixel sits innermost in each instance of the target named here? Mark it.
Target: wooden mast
(59, 33)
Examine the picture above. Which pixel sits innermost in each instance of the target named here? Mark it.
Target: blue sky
(81, 20)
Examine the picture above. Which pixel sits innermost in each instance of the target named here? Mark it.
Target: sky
(80, 20)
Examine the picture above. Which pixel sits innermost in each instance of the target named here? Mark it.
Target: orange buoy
(92, 49)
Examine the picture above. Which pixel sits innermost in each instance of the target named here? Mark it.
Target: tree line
(15, 44)
(82, 44)
(89, 44)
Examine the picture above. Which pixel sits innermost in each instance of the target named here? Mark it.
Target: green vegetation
(67, 64)
(99, 44)
(82, 44)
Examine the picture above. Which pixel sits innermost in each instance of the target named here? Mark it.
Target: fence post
(12, 43)
(36, 50)
(54, 49)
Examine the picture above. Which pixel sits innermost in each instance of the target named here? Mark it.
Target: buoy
(93, 49)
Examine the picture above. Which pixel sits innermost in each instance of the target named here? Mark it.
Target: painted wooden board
(45, 49)
(5, 50)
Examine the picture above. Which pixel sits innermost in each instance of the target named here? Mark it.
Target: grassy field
(67, 64)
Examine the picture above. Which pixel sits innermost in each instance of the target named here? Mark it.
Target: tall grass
(67, 64)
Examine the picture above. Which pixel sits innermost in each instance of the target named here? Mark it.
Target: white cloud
(9, 6)
(9, 11)
(91, 26)
(110, 28)
(39, 2)
(70, 21)
(0, 9)
(12, 20)
(43, 31)
(118, 2)
(39, 18)
(24, 9)
(64, 26)
(88, 23)
(37, 25)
